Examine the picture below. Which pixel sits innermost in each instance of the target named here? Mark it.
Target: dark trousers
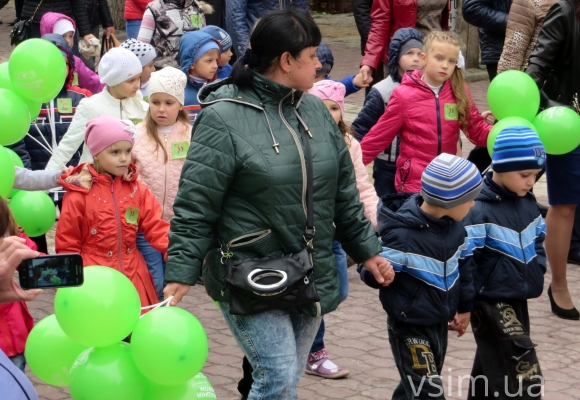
(491, 71)
(40, 241)
(384, 178)
(419, 353)
(18, 5)
(505, 365)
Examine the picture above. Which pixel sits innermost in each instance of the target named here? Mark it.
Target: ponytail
(278, 32)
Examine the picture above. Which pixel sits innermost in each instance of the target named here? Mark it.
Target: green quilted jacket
(243, 185)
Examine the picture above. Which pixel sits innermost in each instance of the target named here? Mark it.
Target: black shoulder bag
(272, 283)
(21, 29)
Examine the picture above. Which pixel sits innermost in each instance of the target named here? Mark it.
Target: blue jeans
(19, 361)
(155, 263)
(276, 343)
(342, 269)
(132, 26)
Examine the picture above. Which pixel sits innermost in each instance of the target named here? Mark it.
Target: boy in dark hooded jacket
(507, 235)
(433, 287)
(404, 51)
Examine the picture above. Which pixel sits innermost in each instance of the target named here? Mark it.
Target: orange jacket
(100, 219)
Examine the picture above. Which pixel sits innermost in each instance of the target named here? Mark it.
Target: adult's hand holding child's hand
(359, 81)
(381, 269)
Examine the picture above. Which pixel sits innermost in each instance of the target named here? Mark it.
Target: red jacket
(387, 17)
(134, 9)
(100, 219)
(427, 125)
(15, 321)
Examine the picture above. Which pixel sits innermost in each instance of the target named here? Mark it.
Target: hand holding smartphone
(57, 271)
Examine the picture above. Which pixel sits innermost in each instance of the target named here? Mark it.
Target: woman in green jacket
(242, 195)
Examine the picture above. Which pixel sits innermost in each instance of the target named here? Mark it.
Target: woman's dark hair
(277, 32)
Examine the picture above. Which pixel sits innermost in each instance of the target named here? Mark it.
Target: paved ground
(356, 334)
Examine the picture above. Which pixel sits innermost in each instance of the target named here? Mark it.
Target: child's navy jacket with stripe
(433, 265)
(507, 236)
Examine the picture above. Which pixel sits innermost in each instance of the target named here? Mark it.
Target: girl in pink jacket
(332, 95)
(427, 110)
(64, 26)
(159, 152)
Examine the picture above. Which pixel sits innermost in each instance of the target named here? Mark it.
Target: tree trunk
(117, 9)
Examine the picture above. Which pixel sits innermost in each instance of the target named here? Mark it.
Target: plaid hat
(144, 51)
(220, 35)
(517, 148)
(450, 181)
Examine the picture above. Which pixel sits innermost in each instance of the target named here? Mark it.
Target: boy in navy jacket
(507, 235)
(433, 288)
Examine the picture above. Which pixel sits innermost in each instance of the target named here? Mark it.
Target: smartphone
(61, 270)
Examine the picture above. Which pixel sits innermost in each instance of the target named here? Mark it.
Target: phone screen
(52, 271)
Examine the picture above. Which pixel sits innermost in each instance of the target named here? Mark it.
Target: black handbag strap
(35, 11)
(310, 230)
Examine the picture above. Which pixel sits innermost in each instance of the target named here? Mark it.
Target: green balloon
(33, 211)
(106, 373)
(501, 125)
(50, 353)
(37, 70)
(169, 346)
(16, 160)
(196, 388)
(14, 117)
(513, 94)
(101, 312)
(558, 129)
(6, 173)
(6, 83)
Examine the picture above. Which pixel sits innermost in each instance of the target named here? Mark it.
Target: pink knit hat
(105, 130)
(327, 89)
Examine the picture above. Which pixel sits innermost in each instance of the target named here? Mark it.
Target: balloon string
(165, 303)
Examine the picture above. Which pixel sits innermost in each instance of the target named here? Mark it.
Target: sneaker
(318, 364)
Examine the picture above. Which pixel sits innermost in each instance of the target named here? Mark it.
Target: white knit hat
(144, 51)
(168, 80)
(63, 26)
(118, 65)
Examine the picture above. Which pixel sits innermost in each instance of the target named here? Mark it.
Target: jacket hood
(62, 45)
(189, 44)
(49, 19)
(82, 177)
(410, 216)
(400, 37)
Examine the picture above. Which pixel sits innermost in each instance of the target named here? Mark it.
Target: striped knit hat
(517, 148)
(450, 181)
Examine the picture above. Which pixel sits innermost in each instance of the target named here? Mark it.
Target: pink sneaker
(318, 364)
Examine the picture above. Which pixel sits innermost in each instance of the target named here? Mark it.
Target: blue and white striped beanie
(517, 148)
(450, 181)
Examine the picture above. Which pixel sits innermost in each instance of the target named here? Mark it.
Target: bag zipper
(254, 235)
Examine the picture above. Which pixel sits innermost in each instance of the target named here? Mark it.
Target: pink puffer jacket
(160, 177)
(87, 79)
(368, 195)
(427, 124)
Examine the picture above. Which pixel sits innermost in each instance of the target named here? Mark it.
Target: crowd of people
(192, 150)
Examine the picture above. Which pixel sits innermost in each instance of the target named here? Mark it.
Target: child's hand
(67, 170)
(359, 81)
(460, 323)
(488, 116)
(381, 269)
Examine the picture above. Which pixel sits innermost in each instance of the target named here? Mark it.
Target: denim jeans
(384, 180)
(419, 352)
(155, 263)
(342, 268)
(19, 361)
(276, 343)
(132, 26)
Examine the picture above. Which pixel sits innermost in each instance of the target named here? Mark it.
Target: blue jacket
(507, 236)
(432, 262)
(191, 103)
(241, 15)
(224, 72)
